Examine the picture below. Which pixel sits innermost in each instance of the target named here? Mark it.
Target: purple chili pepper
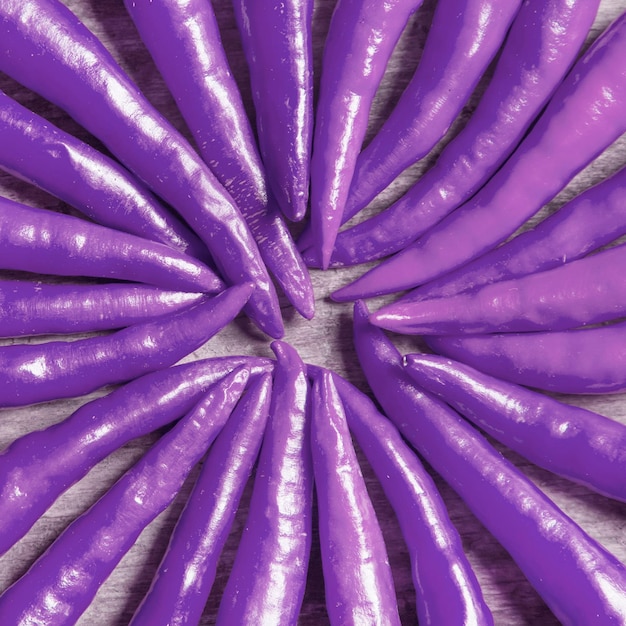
(35, 150)
(182, 584)
(36, 308)
(463, 38)
(267, 580)
(32, 373)
(584, 116)
(46, 48)
(360, 40)
(589, 221)
(61, 584)
(543, 42)
(579, 580)
(447, 589)
(591, 360)
(581, 293)
(357, 576)
(583, 446)
(38, 467)
(184, 41)
(47, 242)
(277, 42)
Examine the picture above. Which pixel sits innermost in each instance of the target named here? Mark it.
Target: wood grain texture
(326, 341)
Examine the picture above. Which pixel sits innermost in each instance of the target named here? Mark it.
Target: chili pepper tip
(387, 319)
(347, 293)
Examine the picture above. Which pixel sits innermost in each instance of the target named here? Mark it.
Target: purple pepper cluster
(170, 235)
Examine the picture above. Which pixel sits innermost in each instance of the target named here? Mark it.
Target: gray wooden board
(326, 341)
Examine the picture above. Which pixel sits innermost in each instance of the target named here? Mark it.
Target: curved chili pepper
(581, 293)
(462, 40)
(589, 221)
(583, 117)
(61, 369)
(184, 41)
(447, 589)
(277, 43)
(46, 48)
(38, 467)
(267, 579)
(542, 44)
(591, 360)
(35, 150)
(36, 308)
(182, 584)
(61, 584)
(47, 242)
(583, 446)
(357, 576)
(578, 579)
(360, 40)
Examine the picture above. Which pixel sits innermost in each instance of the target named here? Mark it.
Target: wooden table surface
(326, 341)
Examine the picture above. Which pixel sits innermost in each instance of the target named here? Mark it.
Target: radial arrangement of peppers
(203, 421)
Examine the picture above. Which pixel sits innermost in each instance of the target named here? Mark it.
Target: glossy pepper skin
(184, 41)
(589, 221)
(70, 246)
(577, 578)
(277, 42)
(583, 446)
(35, 150)
(581, 293)
(47, 49)
(583, 117)
(62, 369)
(38, 467)
(540, 47)
(185, 576)
(267, 579)
(37, 308)
(360, 40)
(446, 586)
(357, 577)
(589, 360)
(61, 584)
(463, 38)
